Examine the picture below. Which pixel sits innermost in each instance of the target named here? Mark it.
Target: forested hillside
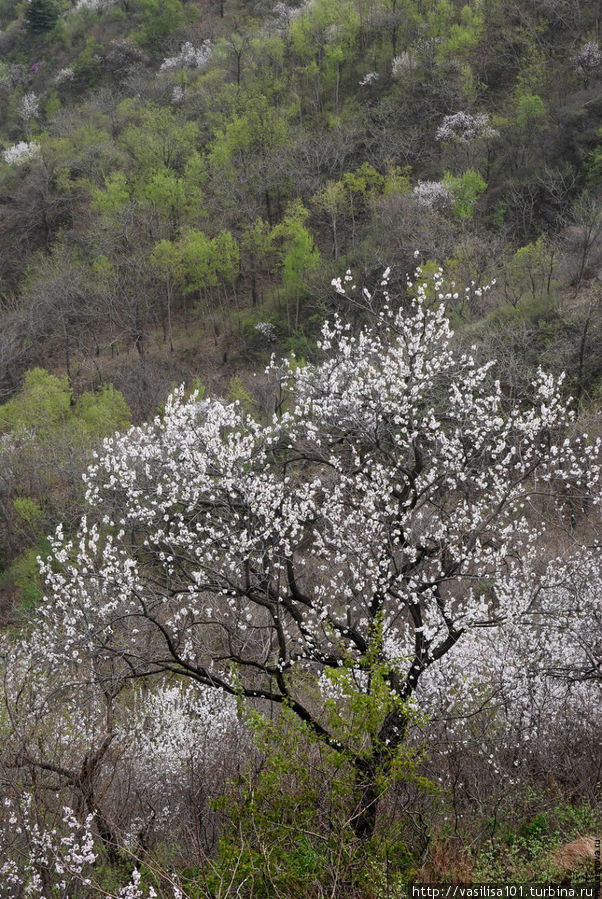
(328, 618)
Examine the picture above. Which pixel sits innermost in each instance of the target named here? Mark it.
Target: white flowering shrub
(369, 78)
(51, 714)
(39, 860)
(390, 504)
(178, 95)
(31, 854)
(285, 14)
(266, 330)
(95, 5)
(465, 127)
(402, 63)
(182, 723)
(588, 59)
(64, 75)
(521, 698)
(22, 152)
(29, 108)
(173, 739)
(547, 652)
(161, 750)
(433, 194)
(12, 75)
(189, 57)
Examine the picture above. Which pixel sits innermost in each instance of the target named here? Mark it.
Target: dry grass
(576, 855)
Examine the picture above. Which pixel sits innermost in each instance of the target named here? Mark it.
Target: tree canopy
(383, 514)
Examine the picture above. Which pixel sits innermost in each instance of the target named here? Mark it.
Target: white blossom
(402, 63)
(588, 59)
(369, 78)
(66, 851)
(266, 330)
(189, 57)
(433, 194)
(21, 152)
(98, 5)
(396, 508)
(286, 14)
(177, 728)
(63, 75)
(29, 107)
(395, 480)
(178, 94)
(465, 127)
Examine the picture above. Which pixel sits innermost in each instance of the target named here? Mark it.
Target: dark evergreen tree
(41, 15)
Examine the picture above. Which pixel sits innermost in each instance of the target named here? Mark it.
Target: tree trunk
(68, 356)
(169, 328)
(368, 798)
(254, 296)
(268, 208)
(582, 347)
(371, 770)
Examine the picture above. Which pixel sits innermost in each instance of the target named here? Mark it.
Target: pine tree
(41, 15)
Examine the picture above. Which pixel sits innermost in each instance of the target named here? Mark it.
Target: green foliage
(88, 65)
(41, 407)
(257, 238)
(207, 261)
(166, 260)
(301, 347)
(332, 199)
(270, 843)
(288, 815)
(531, 78)
(356, 192)
(531, 113)
(85, 154)
(114, 197)
(168, 173)
(28, 512)
(397, 180)
(324, 36)
(525, 853)
(592, 167)
(227, 256)
(23, 577)
(166, 192)
(50, 433)
(102, 412)
(44, 409)
(53, 104)
(256, 129)
(157, 138)
(463, 36)
(41, 16)
(530, 271)
(465, 190)
(238, 393)
(363, 180)
(299, 255)
(160, 19)
(175, 198)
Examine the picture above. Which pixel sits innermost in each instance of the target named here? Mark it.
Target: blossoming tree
(370, 525)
